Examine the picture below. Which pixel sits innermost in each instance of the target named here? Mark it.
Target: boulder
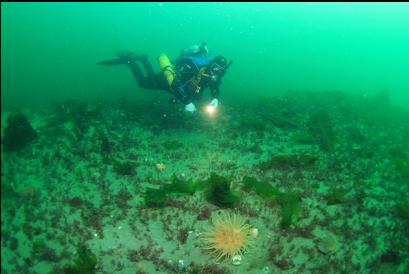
(18, 133)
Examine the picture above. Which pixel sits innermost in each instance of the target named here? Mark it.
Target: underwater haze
(50, 50)
(299, 165)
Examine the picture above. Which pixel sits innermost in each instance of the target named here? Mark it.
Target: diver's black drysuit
(187, 86)
(152, 80)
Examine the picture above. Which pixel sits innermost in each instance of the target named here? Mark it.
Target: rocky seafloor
(78, 197)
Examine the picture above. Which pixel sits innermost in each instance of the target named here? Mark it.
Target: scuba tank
(167, 68)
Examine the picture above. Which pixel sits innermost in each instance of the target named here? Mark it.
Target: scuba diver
(185, 78)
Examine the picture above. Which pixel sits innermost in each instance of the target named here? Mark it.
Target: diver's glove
(214, 103)
(190, 107)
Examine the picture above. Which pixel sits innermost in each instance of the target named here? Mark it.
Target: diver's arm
(215, 91)
(181, 95)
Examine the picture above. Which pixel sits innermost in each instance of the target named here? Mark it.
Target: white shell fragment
(236, 260)
(254, 232)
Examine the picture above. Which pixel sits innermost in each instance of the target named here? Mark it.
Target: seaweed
(155, 197)
(285, 162)
(391, 256)
(263, 189)
(122, 198)
(250, 124)
(219, 192)
(363, 151)
(207, 269)
(180, 187)
(356, 136)
(302, 138)
(290, 208)
(126, 168)
(321, 128)
(84, 263)
(402, 210)
(8, 192)
(279, 112)
(400, 247)
(158, 116)
(75, 202)
(281, 120)
(81, 114)
(290, 203)
(402, 166)
(336, 196)
(172, 144)
(204, 214)
(106, 146)
(42, 251)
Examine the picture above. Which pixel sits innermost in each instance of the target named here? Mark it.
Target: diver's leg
(160, 81)
(152, 80)
(155, 80)
(143, 81)
(148, 67)
(130, 59)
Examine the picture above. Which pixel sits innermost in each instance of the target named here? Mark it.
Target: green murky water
(303, 168)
